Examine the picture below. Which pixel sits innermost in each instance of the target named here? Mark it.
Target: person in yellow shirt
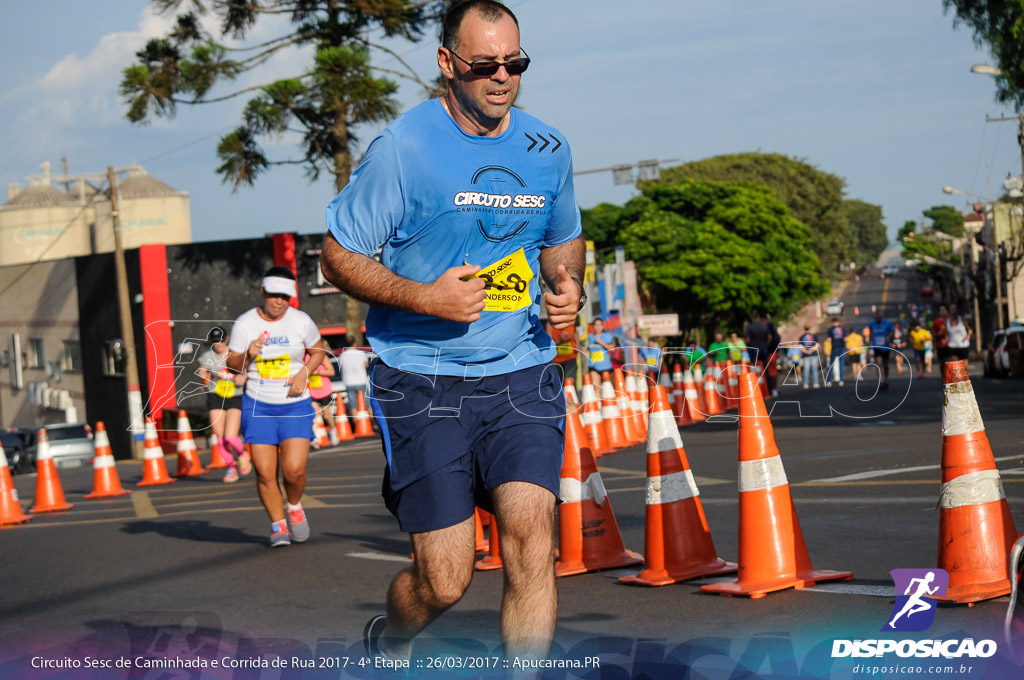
(919, 339)
(855, 346)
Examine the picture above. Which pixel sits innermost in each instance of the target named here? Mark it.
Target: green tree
(1000, 26)
(865, 220)
(813, 197)
(601, 224)
(326, 102)
(946, 218)
(712, 251)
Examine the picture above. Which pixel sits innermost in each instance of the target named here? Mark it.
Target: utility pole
(131, 369)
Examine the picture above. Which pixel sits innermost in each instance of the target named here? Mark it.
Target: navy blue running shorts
(450, 440)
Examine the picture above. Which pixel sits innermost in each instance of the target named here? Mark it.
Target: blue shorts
(449, 441)
(273, 423)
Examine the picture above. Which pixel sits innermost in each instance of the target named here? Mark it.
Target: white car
(891, 270)
(834, 307)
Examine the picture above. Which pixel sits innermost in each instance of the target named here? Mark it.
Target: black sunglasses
(488, 68)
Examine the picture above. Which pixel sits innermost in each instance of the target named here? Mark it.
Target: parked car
(71, 444)
(927, 291)
(1009, 351)
(992, 358)
(15, 442)
(834, 307)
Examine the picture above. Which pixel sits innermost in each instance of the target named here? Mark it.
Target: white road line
(384, 557)
(894, 471)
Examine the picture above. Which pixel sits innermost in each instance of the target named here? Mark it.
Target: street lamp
(953, 190)
(987, 70)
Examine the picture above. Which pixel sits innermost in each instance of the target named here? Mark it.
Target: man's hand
(456, 295)
(299, 381)
(563, 307)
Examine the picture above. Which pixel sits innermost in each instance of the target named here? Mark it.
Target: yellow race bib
(508, 283)
(565, 349)
(225, 388)
(597, 357)
(277, 368)
(315, 381)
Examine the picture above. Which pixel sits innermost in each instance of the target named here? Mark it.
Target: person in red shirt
(940, 336)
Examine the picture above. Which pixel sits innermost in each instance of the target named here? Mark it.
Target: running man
(468, 213)
(882, 331)
(269, 343)
(915, 604)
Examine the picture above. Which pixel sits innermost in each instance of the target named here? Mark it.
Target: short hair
(281, 272)
(489, 10)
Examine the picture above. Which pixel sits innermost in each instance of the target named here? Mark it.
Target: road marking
(885, 294)
(893, 471)
(311, 502)
(381, 556)
(143, 505)
(855, 589)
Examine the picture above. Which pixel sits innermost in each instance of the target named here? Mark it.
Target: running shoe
(371, 636)
(279, 534)
(297, 524)
(332, 434)
(231, 476)
(245, 463)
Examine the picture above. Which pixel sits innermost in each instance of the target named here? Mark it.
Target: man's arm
(449, 297)
(558, 264)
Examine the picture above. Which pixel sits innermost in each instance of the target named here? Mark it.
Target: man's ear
(444, 63)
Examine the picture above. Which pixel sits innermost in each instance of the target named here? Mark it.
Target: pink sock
(234, 444)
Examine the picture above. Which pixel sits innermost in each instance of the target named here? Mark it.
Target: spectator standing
(837, 353)
(958, 336)
(719, 349)
(353, 372)
(809, 357)
(759, 336)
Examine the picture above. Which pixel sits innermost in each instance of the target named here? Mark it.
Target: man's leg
(438, 577)
(526, 523)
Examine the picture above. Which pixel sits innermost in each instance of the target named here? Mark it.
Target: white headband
(279, 285)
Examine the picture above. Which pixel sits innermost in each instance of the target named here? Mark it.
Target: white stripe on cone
(758, 475)
(572, 490)
(100, 439)
(100, 462)
(973, 488)
(43, 450)
(663, 435)
(677, 486)
(960, 415)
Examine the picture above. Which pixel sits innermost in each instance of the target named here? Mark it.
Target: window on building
(36, 353)
(113, 357)
(72, 355)
(54, 371)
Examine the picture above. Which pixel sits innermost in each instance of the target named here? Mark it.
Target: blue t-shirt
(838, 336)
(600, 358)
(433, 197)
(880, 331)
(651, 356)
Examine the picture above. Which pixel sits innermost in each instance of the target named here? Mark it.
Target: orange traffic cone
(569, 386)
(482, 545)
(611, 416)
(644, 396)
(10, 507)
(105, 480)
(320, 431)
(593, 422)
(732, 385)
(711, 395)
(341, 423)
(698, 381)
(677, 399)
(216, 459)
(633, 394)
(492, 560)
(154, 467)
(588, 535)
(976, 530)
(49, 492)
(692, 413)
(773, 555)
(188, 456)
(362, 418)
(677, 541)
(625, 409)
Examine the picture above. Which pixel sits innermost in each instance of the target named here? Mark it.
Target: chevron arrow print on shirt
(545, 142)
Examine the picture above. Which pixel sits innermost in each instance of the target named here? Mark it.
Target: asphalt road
(183, 570)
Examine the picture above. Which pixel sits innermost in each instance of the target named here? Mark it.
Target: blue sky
(877, 92)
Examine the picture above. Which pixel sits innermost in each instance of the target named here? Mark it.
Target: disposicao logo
(913, 611)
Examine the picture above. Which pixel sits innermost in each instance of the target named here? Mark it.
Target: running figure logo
(914, 610)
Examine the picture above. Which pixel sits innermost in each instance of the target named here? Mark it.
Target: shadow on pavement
(193, 530)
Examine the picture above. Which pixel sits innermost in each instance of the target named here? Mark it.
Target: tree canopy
(1000, 27)
(712, 251)
(946, 218)
(865, 221)
(813, 196)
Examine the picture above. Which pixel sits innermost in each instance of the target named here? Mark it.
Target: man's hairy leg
(439, 575)
(526, 523)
